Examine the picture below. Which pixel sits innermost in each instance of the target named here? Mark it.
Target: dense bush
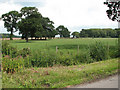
(44, 59)
(99, 51)
(24, 52)
(8, 50)
(84, 57)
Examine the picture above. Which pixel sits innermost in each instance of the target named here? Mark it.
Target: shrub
(24, 52)
(99, 51)
(11, 65)
(8, 50)
(84, 57)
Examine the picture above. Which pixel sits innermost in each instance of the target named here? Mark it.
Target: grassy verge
(59, 76)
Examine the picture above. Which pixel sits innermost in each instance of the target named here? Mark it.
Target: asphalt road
(110, 82)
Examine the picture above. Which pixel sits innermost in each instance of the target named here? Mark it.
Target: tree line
(30, 23)
(96, 33)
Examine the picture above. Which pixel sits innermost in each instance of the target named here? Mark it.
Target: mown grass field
(59, 76)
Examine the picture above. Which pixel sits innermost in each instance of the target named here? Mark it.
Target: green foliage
(8, 50)
(84, 57)
(24, 52)
(59, 76)
(76, 34)
(99, 52)
(12, 58)
(44, 55)
(63, 31)
(113, 11)
(45, 59)
(35, 25)
(11, 65)
(10, 21)
(95, 33)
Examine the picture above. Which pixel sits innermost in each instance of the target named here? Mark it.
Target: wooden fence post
(56, 49)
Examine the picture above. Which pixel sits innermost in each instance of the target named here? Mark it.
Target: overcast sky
(73, 14)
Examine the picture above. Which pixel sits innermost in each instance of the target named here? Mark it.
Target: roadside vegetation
(55, 63)
(59, 76)
(45, 53)
(41, 65)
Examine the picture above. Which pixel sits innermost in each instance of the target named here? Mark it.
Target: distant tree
(76, 34)
(49, 29)
(83, 33)
(63, 31)
(113, 12)
(117, 32)
(107, 32)
(10, 21)
(30, 22)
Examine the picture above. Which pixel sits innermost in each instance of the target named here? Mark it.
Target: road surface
(110, 82)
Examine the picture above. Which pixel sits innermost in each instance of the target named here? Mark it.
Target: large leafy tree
(10, 21)
(28, 27)
(63, 31)
(113, 12)
(49, 29)
(37, 27)
(28, 11)
(30, 22)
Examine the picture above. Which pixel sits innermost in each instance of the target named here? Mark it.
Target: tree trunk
(22, 36)
(45, 38)
(11, 35)
(26, 38)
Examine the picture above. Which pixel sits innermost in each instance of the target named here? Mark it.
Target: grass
(43, 52)
(63, 44)
(59, 76)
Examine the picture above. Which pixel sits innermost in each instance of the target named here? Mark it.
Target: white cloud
(74, 14)
(77, 13)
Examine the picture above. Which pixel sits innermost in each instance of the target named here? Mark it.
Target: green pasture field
(62, 44)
